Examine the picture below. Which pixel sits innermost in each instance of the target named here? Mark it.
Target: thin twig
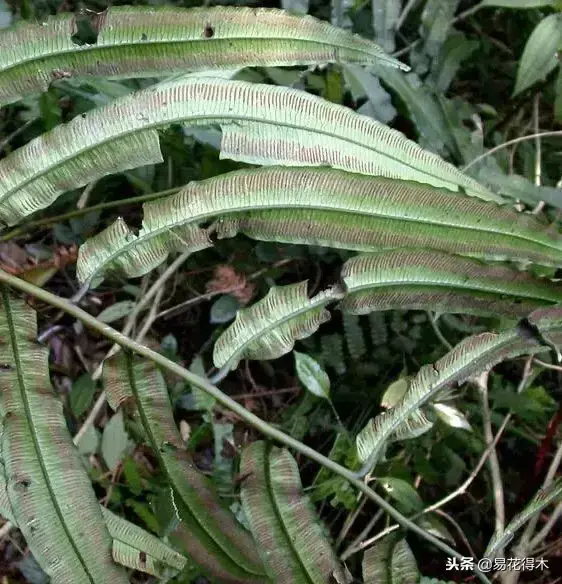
(226, 401)
(509, 143)
(411, 4)
(15, 133)
(538, 151)
(459, 530)
(495, 471)
(433, 318)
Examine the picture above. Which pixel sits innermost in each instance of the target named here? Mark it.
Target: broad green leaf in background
(436, 19)
(363, 83)
(430, 280)
(82, 394)
(269, 328)
(424, 109)
(451, 416)
(390, 561)
(340, 13)
(208, 532)
(385, 16)
(201, 400)
(140, 550)
(291, 540)
(403, 493)
(312, 376)
(456, 49)
(115, 442)
(224, 309)
(539, 55)
(261, 124)
(295, 6)
(116, 311)
(156, 41)
(48, 490)
(473, 355)
(558, 98)
(5, 15)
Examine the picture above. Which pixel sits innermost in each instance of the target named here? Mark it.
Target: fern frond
(155, 41)
(541, 500)
(215, 540)
(324, 207)
(430, 280)
(48, 490)
(291, 541)
(269, 328)
(470, 357)
(137, 549)
(353, 336)
(262, 124)
(390, 561)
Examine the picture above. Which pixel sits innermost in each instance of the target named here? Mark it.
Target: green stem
(78, 212)
(250, 418)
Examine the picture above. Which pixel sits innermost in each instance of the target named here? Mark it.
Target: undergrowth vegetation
(280, 291)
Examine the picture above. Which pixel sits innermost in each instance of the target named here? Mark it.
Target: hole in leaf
(87, 26)
(209, 32)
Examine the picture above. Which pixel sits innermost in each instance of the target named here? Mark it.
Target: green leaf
(558, 106)
(423, 107)
(201, 400)
(138, 549)
(394, 392)
(291, 541)
(48, 490)
(436, 19)
(261, 124)
(539, 55)
(518, 3)
(116, 311)
(539, 332)
(341, 13)
(5, 15)
(385, 16)
(451, 416)
(541, 500)
(115, 442)
(456, 49)
(151, 42)
(318, 207)
(207, 531)
(90, 442)
(224, 309)
(430, 280)
(269, 328)
(403, 493)
(390, 561)
(312, 376)
(82, 394)
(363, 83)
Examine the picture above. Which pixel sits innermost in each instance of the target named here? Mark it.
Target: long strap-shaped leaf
(473, 355)
(326, 207)
(292, 543)
(541, 500)
(148, 42)
(48, 489)
(431, 280)
(269, 328)
(214, 539)
(261, 124)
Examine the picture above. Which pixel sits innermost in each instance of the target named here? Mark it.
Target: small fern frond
(431, 280)
(539, 332)
(156, 41)
(47, 490)
(541, 500)
(390, 561)
(269, 328)
(135, 548)
(322, 207)
(291, 540)
(215, 541)
(261, 124)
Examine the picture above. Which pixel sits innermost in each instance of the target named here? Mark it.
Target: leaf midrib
(31, 426)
